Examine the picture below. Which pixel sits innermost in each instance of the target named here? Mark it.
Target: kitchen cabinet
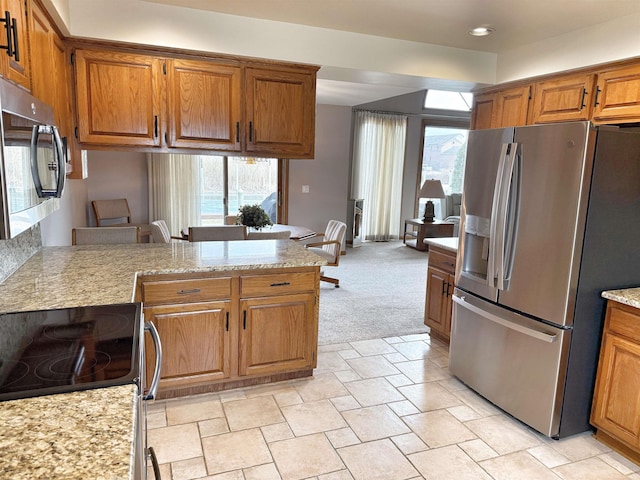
(280, 112)
(15, 64)
(119, 98)
(564, 99)
(503, 108)
(617, 97)
(616, 402)
(440, 284)
(482, 111)
(205, 107)
(232, 329)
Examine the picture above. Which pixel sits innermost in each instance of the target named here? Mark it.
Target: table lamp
(430, 189)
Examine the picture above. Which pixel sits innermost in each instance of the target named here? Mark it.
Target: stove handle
(153, 389)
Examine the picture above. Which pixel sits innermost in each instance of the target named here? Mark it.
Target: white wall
(56, 228)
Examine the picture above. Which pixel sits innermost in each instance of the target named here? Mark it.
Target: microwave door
(47, 161)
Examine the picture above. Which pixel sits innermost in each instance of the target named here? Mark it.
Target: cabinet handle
(14, 28)
(155, 126)
(189, 292)
(250, 131)
(281, 284)
(237, 132)
(584, 95)
(597, 95)
(7, 26)
(444, 287)
(244, 320)
(227, 327)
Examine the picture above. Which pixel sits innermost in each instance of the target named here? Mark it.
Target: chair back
(335, 231)
(111, 211)
(230, 219)
(160, 232)
(217, 232)
(104, 235)
(281, 234)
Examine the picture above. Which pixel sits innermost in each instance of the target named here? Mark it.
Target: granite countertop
(61, 277)
(627, 296)
(446, 243)
(78, 435)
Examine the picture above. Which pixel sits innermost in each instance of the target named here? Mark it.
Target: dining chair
(217, 232)
(230, 219)
(330, 248)
(259, 235)
(160, 232)
(104, 235)
(116, 213)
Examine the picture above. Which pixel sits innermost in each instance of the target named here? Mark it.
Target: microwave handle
(60, 157)
(61, 154)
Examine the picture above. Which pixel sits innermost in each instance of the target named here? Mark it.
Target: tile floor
(384, 409)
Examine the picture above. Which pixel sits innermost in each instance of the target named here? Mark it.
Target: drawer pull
(189, 292)
(281, 284)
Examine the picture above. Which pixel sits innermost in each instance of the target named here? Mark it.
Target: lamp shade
(431, 189)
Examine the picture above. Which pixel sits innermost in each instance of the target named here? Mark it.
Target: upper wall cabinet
(504, 108)
(280, 112)
(118, 98)
(484, 105)
(564, 99)
(184, 105)
(14, 63)
(618, 95)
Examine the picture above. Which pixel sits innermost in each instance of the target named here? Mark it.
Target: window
(440, 99)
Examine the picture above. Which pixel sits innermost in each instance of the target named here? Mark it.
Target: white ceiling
(439, 22)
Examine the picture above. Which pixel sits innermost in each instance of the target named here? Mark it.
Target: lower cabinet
(234, 329)
(440, 283)
(616, 403)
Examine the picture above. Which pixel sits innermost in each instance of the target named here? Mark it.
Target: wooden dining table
(298, 233)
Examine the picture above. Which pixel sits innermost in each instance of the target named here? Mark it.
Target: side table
(416, 230)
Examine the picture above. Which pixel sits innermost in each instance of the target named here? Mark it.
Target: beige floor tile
(424, 370)
(347, 376)
(276, 432)
(193, 409)
(393, 340)
(345, 403)
(415, 337)
(334, 347)
(215, 426)
(448, 463)
(475, 401)
(441, 360)
(175, 443)
(350, 353)
(235, 475)
(156, 419)
(374, 366)
(235, 450)
(464, 413)
(403, 407)
(372, 347)
(262, 472)
(330, 362)
(188, 469)
(399, 380)
(581, 446)
(395, 357)
(290, 397)
(165, 471)
(313, 417)
(374, 423)
(417, 350)
(232, 395)
(342, 437)
(409, 443)
(453, 384)
(374, 391)
(588, 469)
(503, 434)
(518, 465)
(252, 412)
(429, 396)
(341, 475)
(438, 428)
(379, 460)
(478, 450)
(321, 387)
(304, 457)
(548, 456)
(620, 463)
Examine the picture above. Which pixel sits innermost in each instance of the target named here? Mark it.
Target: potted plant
(254, 216)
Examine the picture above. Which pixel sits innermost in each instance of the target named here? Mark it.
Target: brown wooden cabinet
(616, 403)
(617, 97)
(440, 284)
(482, 111)
(564, 99)
(16, 67)
(503, 108)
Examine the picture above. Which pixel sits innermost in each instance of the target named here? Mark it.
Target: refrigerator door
(515, 362)
(486, 152)
(542, 256)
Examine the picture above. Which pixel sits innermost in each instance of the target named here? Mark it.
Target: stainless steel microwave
(33, 166)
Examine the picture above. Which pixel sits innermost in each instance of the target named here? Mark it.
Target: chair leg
(335, 281)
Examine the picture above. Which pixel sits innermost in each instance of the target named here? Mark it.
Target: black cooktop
(55, 351)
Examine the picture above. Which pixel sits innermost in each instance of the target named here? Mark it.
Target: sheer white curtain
(378, 160)
(174, 190)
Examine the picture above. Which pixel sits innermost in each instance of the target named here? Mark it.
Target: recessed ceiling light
(481, 31)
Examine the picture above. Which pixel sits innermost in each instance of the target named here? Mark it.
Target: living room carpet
(382, 294)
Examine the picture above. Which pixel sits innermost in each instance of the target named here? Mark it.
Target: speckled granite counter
(627, 296)
(446, 243)
(80, 435)
(59, 277)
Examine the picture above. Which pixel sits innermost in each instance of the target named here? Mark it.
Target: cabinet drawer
(277, 284)
(442, 261)
(186, 291)
(623, 322)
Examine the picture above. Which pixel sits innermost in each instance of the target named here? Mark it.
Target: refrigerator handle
(505, 222)
(492, 262)
(545, 337)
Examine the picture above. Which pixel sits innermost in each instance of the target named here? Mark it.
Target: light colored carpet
(382, 294)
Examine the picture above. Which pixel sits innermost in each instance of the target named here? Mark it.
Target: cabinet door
(195, 342)
(40, 43)
(17, 67)
(280, 113)
(618, 95)
(204, 105)
(483, 110)
(564, 99)
(512, 107)
(277, 334)
(616, 407)
(435, 315)
(118, 98)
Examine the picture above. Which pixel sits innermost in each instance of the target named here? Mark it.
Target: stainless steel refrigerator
(550, 218)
